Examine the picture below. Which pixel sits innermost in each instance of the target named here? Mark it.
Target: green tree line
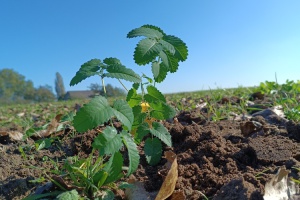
(111, 91)
(14, 88)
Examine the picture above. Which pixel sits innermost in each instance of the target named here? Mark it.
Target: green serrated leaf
(92, 114)
(146, 31)
(163, 71)
(108, 142)
(146, 51)
(154, 95)
(133, 98)
(153, 150)
(181, 50)
(161, 132)
(114, 168)
(136, 86)
(123, 112)
(161, 110)
(121, 72)
(154, 27)
(112, 61)
(133, 153)
(142, 130)
(139, 116)
(86, 70)
(170, 61)
(167, 47)
(155, 69)
(68, 195)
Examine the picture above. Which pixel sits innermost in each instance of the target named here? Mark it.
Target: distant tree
(59, 86)
(110, 90)
(14, 87)
(44, 93)
(29, 92)
(119, 91)
(96, 88)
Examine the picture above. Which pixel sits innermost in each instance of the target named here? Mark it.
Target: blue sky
(231, 43)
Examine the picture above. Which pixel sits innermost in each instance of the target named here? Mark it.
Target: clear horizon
(231, 44)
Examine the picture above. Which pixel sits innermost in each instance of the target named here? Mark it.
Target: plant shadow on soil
(214, 158)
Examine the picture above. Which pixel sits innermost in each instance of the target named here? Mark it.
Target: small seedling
(140, 113)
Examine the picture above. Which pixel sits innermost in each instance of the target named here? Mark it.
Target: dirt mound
(214, 158)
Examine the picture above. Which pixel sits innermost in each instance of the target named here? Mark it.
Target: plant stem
(123, 85)
(105, 94)
(103, 85)
(143, 91)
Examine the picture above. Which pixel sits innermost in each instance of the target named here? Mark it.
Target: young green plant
(140, 113)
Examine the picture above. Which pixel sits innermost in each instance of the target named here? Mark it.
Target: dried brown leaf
(169, 183)
(51, 127)
(22, 114)
(177, 195)
(3, 133)
(15, 135)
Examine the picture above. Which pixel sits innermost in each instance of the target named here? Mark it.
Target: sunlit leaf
(134, 157)
(170, 61)
(121, 72)
(114, 168)
(155, 69)
(133, 98)
(108, 142)
(139, 116)
(68, 195)
(86, 70)
(141, 132)
(92, 114)
(154, 95)
(123, 112)
(167, 46)
(153, 150)
(162, 110)
(111, 61)
(163, 71)
(146, 51)
(161, 132)
(146, 31)
(181, 50)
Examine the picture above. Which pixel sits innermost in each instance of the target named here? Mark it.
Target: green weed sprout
(286, 95)
(140, 113)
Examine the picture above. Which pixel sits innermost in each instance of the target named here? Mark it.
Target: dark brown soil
(228, 159)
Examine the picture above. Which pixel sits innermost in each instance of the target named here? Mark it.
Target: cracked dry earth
(229, 159)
